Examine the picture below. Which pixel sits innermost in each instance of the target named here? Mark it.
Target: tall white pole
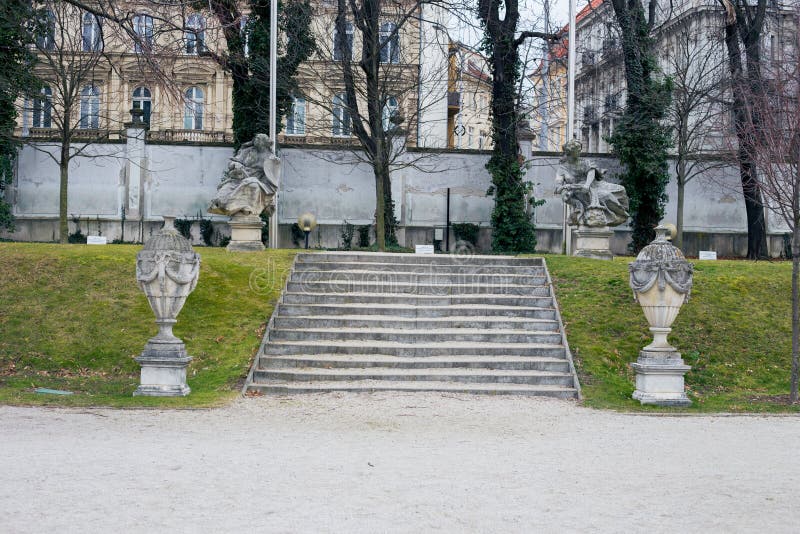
(273, 116)
(565, 229)
(571, 72)
(273, 74)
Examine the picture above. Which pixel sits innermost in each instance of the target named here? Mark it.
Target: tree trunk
(679, 216)
(63, 167)
(747, 129)
(380, 209)
(793, 393)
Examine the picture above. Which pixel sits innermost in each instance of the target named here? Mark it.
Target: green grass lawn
(73, 318)
(735, 332)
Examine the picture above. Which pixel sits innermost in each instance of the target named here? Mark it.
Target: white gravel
(395, 463)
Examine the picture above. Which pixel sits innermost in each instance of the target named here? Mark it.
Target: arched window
(142, 100)
(296, 119)
(341, 116)
(195, 34)
(343, 47)
(389, 111)
(42, 109)
(193, 110)
(143, 27)
(390, 43)
(90, 108)
(46, 40)
(91, 38)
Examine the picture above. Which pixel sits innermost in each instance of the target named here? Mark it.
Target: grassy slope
(735, 332)
(72, 317)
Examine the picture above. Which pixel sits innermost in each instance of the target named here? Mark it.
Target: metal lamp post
(307, 222)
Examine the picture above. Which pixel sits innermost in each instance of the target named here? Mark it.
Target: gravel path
(395, 463)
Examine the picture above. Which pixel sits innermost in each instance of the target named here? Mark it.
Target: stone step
(372, 386)
(469, 268)
(412, 311)
(403, 322)
(414, 336)
(472, 376)
(413, 323)
(391, 348)
(335, 298)
(410, 288)
(347, 361)
(358, 277)
(418, 259)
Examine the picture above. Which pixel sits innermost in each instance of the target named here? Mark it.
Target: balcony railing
(189, 136)
(78, 134)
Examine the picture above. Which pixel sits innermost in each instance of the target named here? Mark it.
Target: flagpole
(566, 229)
(273, 116)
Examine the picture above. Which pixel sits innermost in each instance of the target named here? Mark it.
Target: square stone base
(163, 377)
(660, 382)
(594, 243)
(245, 234)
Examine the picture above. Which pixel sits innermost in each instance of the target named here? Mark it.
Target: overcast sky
(533, 15)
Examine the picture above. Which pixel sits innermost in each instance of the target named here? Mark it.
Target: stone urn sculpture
(661, 280)
(167, 270)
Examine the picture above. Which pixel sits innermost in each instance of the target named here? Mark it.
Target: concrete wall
(335, 186)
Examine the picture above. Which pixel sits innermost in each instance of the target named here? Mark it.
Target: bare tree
(71, 62)
(367, 90)
(697, 108)
(744, 25)
(772, 124)
(512, 229)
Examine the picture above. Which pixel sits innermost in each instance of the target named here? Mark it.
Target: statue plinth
(594, 242)
(245, 234)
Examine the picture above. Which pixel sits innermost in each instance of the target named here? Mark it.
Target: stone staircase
(406, 322)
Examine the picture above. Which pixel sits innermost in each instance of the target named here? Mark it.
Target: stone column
(136, 166)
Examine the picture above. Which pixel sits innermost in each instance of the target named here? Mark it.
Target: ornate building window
(195, 34)
(42, 109)
(389, 111)
(343, 47)
(342, 126)
(90, 108)
(296, 119)
(47, 39)
(143, 27)
(91, 37)
(390, 43)
(144, 101)
(193, 110)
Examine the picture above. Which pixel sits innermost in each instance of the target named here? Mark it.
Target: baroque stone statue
(596, 204)
(248, 189)
(594, 201)
(250, 181)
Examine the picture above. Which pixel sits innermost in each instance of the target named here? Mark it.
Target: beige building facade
(163, 61)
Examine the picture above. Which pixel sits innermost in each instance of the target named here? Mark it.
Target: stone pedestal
(164, 363)
(659, 379)
(245, 234)
(594, 242)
